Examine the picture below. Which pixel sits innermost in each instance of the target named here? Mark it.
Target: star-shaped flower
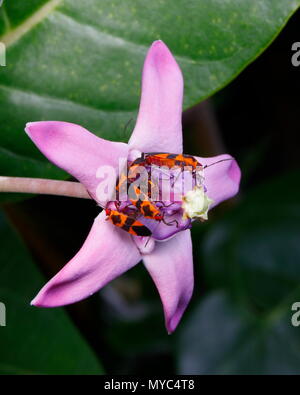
(108, 250)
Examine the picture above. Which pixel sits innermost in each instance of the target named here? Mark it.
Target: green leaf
(81, 61)
(222, 338)
(254, 251)
(35, 341)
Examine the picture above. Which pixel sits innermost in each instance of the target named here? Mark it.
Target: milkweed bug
(127, 223)
(147, 208)
(171, 160)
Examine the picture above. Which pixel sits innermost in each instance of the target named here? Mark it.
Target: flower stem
(43, 186)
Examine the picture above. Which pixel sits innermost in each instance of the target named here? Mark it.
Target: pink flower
(109, 251)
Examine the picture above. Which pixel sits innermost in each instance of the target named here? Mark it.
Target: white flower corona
(196, 203)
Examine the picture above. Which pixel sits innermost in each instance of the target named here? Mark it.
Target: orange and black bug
(133, 169)
(127, 223)
(140, 199)
(147, 208)
(125, 181)
(122, 185)
(171, 160)
(123, 178)
(181, 160)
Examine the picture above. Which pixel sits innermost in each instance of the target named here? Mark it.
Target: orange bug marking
(171, 160)
(145, 206)
(148, 209)
(127, 223)
(123, 178)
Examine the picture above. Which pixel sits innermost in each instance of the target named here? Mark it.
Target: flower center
(159, 194)
(196, 203)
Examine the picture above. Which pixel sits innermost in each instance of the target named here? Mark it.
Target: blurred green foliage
(81, 61)
(35, 341)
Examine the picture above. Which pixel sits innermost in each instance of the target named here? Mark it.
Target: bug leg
(171, 222)
(219, 161)
(167, 205)
(176, 222)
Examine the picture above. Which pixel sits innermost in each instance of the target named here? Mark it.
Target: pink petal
(76, 150)
(161, 231)
(107, 253)
(171, 267)
(222, 179)
(158, 126)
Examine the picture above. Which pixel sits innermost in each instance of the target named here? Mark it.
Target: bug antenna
(147, 242)
(127, 124)
(219, 161)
